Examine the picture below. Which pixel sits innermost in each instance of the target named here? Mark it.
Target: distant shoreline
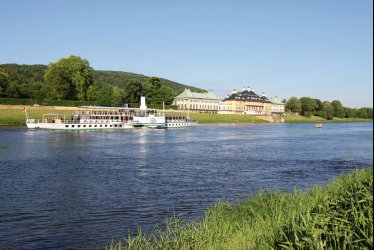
(12, 116)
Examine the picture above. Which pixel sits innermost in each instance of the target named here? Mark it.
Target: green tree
(150, 88)
(161, 95)
(293, 105)
(338, 109)
(70, 78)
(91, 92)
(308, 106)
(3, 84)
(133, 91)
(319, 105)
(348, 112)
(329, 110)
(118, 96)
(12, 90)
(105, 95)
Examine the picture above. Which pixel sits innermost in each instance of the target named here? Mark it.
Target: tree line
(307, 107)
(72, 78)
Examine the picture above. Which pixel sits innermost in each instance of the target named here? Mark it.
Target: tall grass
(15, 117)
(338, 216)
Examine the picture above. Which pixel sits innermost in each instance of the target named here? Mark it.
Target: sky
(321, 49)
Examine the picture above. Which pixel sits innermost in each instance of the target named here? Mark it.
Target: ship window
(90, 126)
(106, 125)
(110, 125)
(72, 126)
(79, 126)
(95, 126)
(84, 126)
(66, 126)
(120, 125)
(101, 126)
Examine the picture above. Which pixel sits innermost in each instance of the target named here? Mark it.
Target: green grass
(299, 118)
(15, 116)
(217, 118)
(338, 216)
(336, 119)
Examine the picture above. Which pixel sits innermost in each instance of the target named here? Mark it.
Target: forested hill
(35, 74)
(120, 78)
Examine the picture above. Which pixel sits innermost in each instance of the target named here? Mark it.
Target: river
(81, 189)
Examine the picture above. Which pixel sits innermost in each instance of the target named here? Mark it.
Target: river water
(81, 189)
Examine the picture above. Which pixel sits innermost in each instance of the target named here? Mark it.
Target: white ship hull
(77, 126)
(181, 124)
(150, 121)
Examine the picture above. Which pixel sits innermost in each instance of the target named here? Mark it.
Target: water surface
(81, 189)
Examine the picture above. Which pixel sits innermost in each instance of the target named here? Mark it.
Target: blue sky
(321, 48)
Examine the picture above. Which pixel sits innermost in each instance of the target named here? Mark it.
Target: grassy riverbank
(217, 118)
(13, 116)
(338, 216)
(300, 119)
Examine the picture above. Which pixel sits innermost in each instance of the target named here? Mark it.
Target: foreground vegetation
(338, 216)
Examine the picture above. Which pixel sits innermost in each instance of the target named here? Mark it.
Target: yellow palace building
(248, 102)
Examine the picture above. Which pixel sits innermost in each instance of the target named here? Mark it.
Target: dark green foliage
(121, 79)
(308, 105)
(134, 90)
(3, 84)
(44, 102)
(338, 109)
(293, 105)
(104, 96)
(156, 93)
(110, 96)
(69, 78)
(319, 105)
(329, 110)
(27, 81)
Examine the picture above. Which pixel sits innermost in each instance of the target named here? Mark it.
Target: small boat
(319, 125)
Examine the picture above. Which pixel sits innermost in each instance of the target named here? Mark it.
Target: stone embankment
(272, 118)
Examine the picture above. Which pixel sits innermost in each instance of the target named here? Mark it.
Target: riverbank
(317, 119)
(337, 216)
(12, 115)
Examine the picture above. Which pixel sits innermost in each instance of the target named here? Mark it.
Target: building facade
(248, 102)
(245, 102)
(278, 106)
(202, 102)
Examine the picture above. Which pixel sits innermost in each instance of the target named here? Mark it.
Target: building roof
(246, 95)
(276, 101)
(193, 95)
